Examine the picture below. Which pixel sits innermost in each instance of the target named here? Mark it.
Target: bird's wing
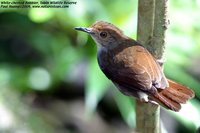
(133, 67)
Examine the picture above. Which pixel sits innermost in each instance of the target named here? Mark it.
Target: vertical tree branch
(152, 24)
(146, 9)
(157, 45)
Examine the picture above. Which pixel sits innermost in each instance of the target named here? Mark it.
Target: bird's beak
(84, 29)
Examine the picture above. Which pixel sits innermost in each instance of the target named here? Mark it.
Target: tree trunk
(152, 24)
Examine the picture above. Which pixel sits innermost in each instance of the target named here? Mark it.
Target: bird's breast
(115, 59)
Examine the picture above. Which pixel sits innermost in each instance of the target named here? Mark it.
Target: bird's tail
(173, 96)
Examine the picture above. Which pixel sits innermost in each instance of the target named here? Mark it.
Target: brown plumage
(174, 95)
(133, 69)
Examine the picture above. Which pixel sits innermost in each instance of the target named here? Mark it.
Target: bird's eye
(103, 34)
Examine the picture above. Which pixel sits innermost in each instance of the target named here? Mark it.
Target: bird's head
(104, 34)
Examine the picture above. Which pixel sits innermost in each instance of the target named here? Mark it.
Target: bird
(133, 69)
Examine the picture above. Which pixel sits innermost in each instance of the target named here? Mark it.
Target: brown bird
(133, 70)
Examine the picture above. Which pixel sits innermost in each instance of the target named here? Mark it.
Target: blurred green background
(50, 80)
